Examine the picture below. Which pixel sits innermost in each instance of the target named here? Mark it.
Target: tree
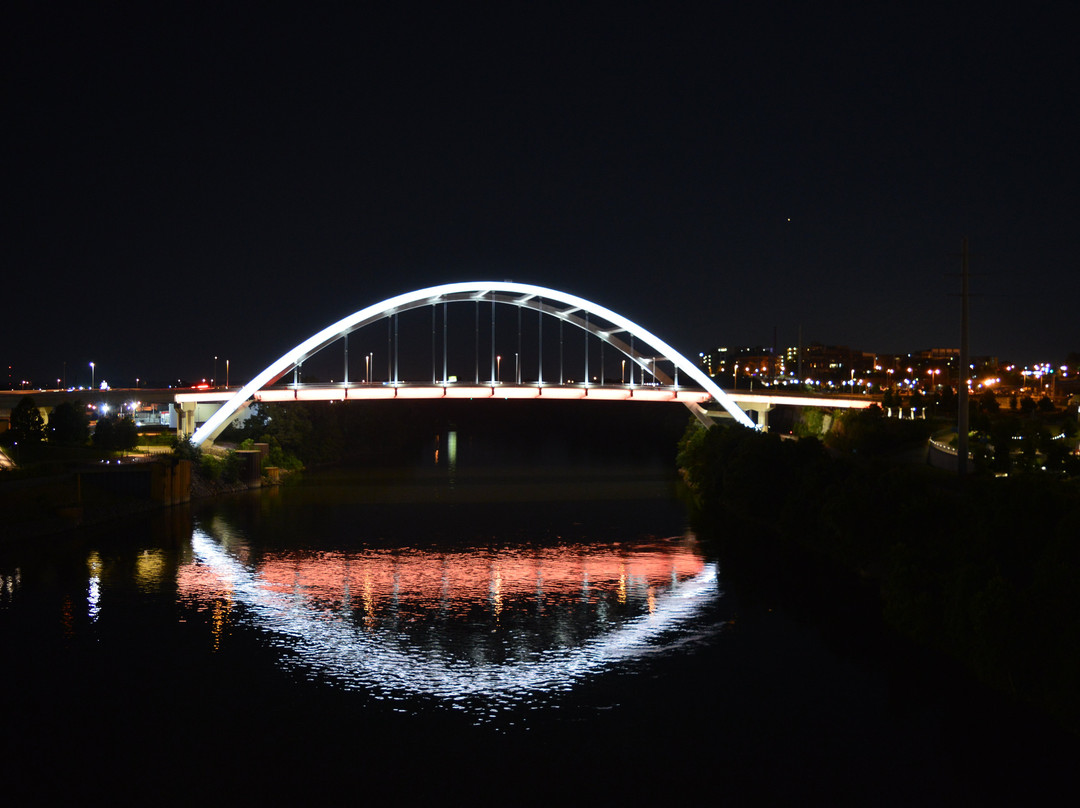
(947, 400)
(810, 422)
(68, 424)
(125, 434)
(186, 450)
(1001, 435)
(291, 426)
(988, 403)
(116, 433)
(27, 425)
(103, 434)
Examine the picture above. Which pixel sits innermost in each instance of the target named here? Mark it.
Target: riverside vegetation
(982, 568)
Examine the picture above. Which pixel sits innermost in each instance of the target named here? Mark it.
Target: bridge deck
(355, 392)
(369, 392)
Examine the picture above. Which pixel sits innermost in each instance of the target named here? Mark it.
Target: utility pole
(965, 363)
(773, 359)
(801, 377)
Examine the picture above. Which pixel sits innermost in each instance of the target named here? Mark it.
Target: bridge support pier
(185, 418)
(763, 419)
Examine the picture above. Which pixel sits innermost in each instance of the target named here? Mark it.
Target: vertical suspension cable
(346, 360)
(389, 349)
(493, 338)
(434, 310)
(632, 362)
(517, 357)
(444, 369)
(396, 351)
(476, 351)
(560, 351)
(586, 349)
(540, 347)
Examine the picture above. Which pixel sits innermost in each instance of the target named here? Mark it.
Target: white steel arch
(520, 294)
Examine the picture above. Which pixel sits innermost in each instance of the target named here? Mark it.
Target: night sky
(184, 181)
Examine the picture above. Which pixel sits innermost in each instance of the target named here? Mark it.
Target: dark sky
(185, 181)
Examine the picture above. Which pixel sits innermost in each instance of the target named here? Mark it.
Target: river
(510, 636)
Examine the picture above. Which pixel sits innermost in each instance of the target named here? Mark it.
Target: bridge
(651, 362)
(649, 368)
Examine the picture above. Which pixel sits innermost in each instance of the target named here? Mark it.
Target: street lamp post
(91, 375)
(498, 369)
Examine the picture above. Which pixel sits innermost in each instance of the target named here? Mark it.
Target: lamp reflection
(93, 590)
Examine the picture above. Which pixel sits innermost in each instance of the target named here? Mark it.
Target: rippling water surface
(481, 628)
(514, 638)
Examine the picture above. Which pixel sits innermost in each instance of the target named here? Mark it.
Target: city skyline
(783, 352)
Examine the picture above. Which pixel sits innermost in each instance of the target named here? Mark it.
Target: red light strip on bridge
(472, 391)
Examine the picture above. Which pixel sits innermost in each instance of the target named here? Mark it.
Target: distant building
(739, 363)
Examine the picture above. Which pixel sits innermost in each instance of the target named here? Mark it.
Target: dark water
(514, 637)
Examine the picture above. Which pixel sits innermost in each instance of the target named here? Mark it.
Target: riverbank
(87, 496)
(982, 569)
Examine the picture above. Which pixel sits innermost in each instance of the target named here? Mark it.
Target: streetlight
(91, 375)
(517, 369)
(226, 372)
(498, 369)
(367, 369)
(622, 373)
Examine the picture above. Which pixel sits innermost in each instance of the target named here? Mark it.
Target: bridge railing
(468, 390)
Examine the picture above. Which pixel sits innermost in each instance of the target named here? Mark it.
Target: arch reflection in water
(480, 629)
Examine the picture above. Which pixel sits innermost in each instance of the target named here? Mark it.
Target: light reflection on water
(93, 590)
(481, 629)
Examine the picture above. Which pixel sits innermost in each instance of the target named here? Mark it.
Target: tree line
(69, 426)
(983, 568)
